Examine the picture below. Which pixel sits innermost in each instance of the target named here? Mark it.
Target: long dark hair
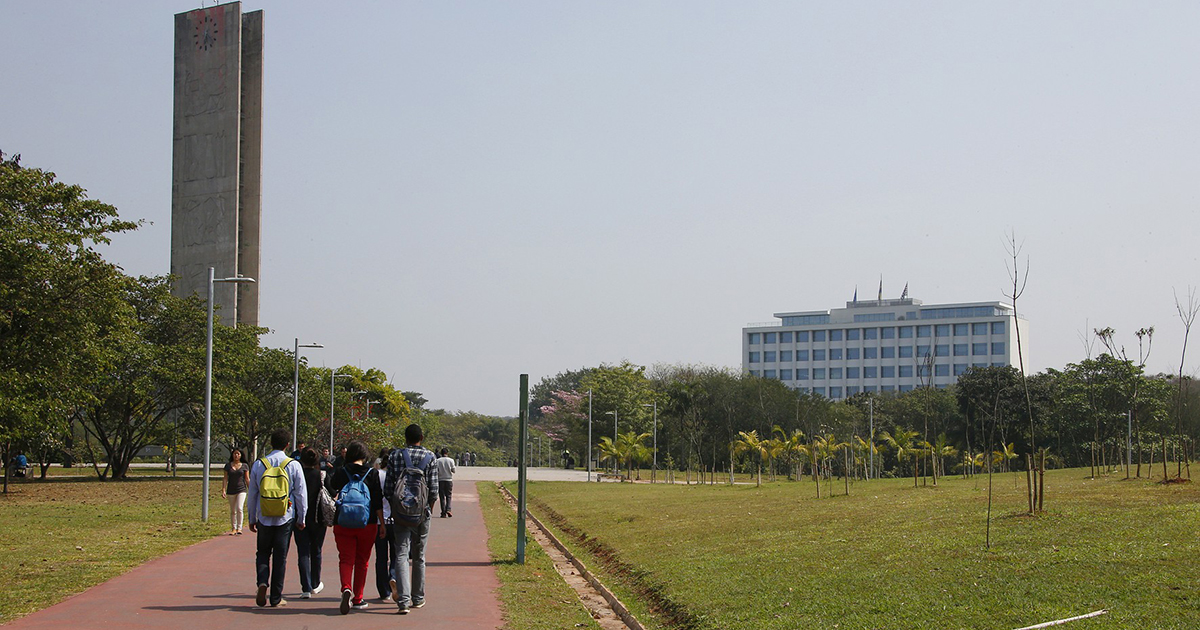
(308, 458)
(241, 458)
(356, 451)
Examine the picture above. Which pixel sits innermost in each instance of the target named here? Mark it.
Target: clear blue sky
(460, 192)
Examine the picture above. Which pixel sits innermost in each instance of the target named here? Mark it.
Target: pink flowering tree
(557, 418)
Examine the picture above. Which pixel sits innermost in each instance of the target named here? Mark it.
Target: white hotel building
(881, 345)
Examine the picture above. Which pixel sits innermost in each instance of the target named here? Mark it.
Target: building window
(922, 352)
(835, 392)
(852, 353)
(906, 371)
(769, 356)
(870, 389)
(960, 369)
(802, 374)
(801, 336)
(941, 369)
(754, 357)
(979, 328)
(818, 374)
(922, 370)
(785, 375)
(870, 372)
(906, 352)
(835, 334)
(818, 335)
(835, 374)
(835, 354)
(755, 373)
(979, 365)
(1000, 364)
(785, 356)
(906, 332)
(887, 388)
(785, 337)
(924, 330)
(941, 350)
(979, 348)
(851, 372)
(961, 330)
(768, 337)
(870, 333)
(851, 390)
(802, 355)
(852, 334)
(768, 373)
(887, 333)
(998, 347)
(887, 352)
(960, 349)
(941, 330)
(870, 352)
(819, 354)
(755, 339)
(906, 388)
(887, 371)
(997, 328)
(819, 391)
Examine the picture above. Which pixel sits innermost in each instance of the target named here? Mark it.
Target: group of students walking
(385, 508)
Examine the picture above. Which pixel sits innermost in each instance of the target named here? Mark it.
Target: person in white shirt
(275, 532)
(445, 471)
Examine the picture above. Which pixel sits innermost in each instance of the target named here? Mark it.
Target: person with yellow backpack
(277, 502)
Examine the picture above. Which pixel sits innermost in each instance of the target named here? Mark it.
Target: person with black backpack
(411, 488)
(357, 523)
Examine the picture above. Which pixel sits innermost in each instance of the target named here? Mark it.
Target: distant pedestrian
(445, 479)
(474, 459)
(277, 502)
(412, 469)
(310, 539)
(234, 487)
(357, 524)
(385, 546)
(326, 464)
(299, 449)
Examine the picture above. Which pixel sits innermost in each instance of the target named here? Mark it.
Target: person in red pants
(357, 523)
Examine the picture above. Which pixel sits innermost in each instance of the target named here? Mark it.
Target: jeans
(410, 543)
(271, 558)
(385, 550)
(445, 489)
(354, 546)
(308, 555)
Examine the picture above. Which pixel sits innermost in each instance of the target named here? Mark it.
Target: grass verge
(533, 596)
(58, 538)
(890, 555)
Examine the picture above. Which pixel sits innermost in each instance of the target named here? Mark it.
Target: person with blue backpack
(411, 488)
(357, 522)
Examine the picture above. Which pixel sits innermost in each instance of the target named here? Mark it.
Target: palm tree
(791, 446)
(941, 450)
(610, 451)
(903, 441)
(750, 442)
(828, 448)
(630, 447)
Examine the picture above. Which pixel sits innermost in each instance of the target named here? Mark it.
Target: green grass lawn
(893, 556)
(533, 596)
(59, 537)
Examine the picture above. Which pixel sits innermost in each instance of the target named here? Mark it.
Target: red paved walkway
(211, 585)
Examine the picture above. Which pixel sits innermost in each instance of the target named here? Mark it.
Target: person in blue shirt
(20, 464)
(275, 532)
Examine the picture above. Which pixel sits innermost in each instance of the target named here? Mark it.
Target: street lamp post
(208, 350)
(613, 413)
(654, 467)
(589, 453)
(296, 388)
(332, 375)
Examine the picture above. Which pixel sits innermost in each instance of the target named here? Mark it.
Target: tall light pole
(589, 454)
(613, 413)
(871, 444)
(332, 375)
(212, 279)
(296, 388)
(654, 467)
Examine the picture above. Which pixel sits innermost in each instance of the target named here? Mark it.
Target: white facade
(882, 345)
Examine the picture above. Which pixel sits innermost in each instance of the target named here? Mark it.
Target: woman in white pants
(237, 481)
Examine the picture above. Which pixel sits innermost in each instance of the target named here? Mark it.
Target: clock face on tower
(206, 34)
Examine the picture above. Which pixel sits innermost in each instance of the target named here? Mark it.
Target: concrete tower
(216, 194)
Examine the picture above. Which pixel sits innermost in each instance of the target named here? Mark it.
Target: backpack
(354, 502)
(274, 488)
(326, 508)
(410, 498)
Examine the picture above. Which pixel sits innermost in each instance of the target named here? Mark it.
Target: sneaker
(418, 604)
(345, 607)
(449, 513)
(261, 597)
(360, 605)
(282, 602)
(306, 595)
(402, 610)
(320, 587)
(395, 591)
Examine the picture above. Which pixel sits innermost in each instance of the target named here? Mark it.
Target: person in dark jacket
(310, 539)
(354, 544)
